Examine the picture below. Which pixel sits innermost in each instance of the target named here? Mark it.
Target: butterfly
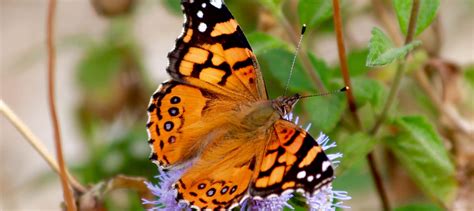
(215, 113)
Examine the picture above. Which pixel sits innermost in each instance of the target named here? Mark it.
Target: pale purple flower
(166, 195)
(323, 199)
(271, 203)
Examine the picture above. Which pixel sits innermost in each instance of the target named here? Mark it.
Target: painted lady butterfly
(215, 112)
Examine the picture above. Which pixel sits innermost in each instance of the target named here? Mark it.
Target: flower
(272, 203)
(166, 195)
(323, 199)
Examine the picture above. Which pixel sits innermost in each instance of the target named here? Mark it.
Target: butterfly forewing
(213, 53)
(176, 114)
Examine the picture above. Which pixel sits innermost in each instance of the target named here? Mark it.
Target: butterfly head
(285, 104)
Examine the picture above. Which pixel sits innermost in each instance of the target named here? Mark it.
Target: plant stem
(70, 203)
(36, 144)
(343, 61)
(400, 69)
(352, 105)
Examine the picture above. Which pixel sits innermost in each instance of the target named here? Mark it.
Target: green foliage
(261, 42)
(469, 76)
(421, 151)
(383, 52)
(356, 62)
(325, 112)
(98, 67)
(324, 72)
(354, 147)
(103, 60)
(314, 12)
(419, 207)
(272, 5)
(367, 90)
(426, 14)
(279, 70)
(172, 6)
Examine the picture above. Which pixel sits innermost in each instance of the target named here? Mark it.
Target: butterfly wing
(213, 53)
(220, 178)
(179, 120)
(293, 160)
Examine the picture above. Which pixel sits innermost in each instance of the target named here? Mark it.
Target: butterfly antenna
(303, 29)
(343, 89)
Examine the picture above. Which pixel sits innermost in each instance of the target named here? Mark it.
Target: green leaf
(314, 12)
(98, 66)
(426, 14)
(419, 207)
(277, 63)
(262, 42)
(326, 111)
(421, 151)
(367, 90)
(324, 72)
(173, 6)
(469, 75)
(354, 148)
(356, 63)
(272, 5)
(382, 50)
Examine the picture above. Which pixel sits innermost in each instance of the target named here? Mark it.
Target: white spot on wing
(202, 27)
(318, 176)
(301, 174)
(325, 166)
(203, 5)
(310, 178)
(216, 3)
(200, 14)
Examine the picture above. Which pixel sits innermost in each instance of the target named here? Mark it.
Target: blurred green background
(112, 56)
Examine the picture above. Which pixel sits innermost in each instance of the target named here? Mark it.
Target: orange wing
(220, 178)
(292, 161)
(213, 53)
(179, 121)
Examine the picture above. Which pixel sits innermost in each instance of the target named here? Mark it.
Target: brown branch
(352, 105)
(343, 61)
(70, 203)
(36, 143)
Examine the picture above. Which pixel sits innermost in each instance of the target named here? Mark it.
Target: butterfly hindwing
(220, 178)
(213, 53)
(293, 160)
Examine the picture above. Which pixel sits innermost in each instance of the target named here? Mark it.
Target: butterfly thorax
(265, 113)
